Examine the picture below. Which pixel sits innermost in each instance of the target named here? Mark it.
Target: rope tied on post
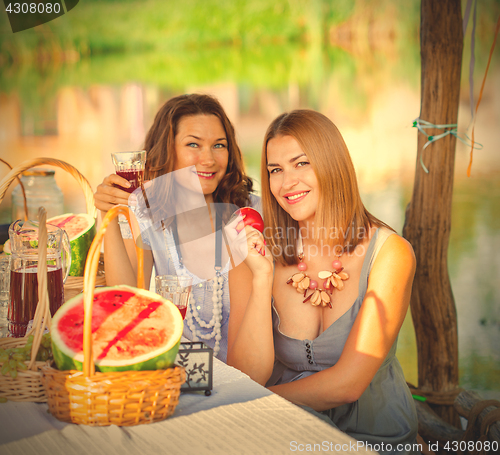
(445, 398)
(449, 128)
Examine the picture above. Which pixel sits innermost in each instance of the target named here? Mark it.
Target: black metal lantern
(197, 359)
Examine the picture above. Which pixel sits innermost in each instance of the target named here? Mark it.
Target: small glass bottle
(41, 191)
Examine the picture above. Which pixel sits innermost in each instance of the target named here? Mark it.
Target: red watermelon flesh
(127, 327)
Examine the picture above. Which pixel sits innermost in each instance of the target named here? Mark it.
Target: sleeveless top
(385, 412)
(166, 262)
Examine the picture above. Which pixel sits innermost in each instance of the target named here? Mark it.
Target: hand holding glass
(176, 289)
(130, 166)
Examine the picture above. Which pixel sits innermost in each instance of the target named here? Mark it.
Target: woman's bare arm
(120, 260)
(374, 332)
(251, 347)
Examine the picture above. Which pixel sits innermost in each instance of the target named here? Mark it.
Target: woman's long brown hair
(235, 187)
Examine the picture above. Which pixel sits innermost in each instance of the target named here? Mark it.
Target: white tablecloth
(240, 417)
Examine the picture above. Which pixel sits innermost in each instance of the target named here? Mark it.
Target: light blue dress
(166, 262)
(385, 412)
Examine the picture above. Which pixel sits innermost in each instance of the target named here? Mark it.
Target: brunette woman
(321, 325)
(190, 133)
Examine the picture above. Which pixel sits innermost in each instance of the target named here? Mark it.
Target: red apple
(251, 217)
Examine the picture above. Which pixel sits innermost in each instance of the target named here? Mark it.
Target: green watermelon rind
(80, 244)
(6, 247)
(162, 358)
(160, 362)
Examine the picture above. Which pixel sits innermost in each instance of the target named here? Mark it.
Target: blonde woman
(330, 294)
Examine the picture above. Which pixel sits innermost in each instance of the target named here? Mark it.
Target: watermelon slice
(81, 231)
(6, 247)
(132, 329)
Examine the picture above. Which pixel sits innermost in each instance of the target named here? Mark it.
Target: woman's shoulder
(395, 240)
(394, 249)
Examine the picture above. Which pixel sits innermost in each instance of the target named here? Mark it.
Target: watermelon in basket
(81, 231)
(131, 335)
(132, 329)
(24, 383)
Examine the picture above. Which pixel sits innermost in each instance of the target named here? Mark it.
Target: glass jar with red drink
(23, 272)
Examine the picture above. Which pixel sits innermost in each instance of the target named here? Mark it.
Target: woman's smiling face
(201, 142)
(292, 179)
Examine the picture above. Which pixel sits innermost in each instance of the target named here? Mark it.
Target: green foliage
(478, 371)
(132, 26)
(473, 205)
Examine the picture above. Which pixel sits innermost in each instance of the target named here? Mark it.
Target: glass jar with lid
(41, 191)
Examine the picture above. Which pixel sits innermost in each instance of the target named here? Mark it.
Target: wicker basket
(118, 398)
(73, 284)
(27, 386)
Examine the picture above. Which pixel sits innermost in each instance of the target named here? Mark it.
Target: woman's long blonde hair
(341, 218)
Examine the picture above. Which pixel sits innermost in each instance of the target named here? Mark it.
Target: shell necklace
(193, 318)
(333, 280)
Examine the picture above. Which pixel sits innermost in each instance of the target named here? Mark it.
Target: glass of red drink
(23, 296)
(130, 166)
(176, 289)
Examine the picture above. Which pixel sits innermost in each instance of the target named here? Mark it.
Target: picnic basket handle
(42, 313)
(89, 282)
(25, 202)
(84, 184)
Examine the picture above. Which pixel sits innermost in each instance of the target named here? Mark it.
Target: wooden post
(428, 217)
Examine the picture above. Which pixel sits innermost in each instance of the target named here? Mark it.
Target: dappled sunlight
(374, 334)
(101, 90)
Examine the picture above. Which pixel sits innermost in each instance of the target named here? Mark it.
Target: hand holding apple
(251, 217)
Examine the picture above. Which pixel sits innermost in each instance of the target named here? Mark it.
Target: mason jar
(41, 191)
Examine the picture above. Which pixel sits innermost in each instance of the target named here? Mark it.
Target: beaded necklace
(192, 314)
(333, 280)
